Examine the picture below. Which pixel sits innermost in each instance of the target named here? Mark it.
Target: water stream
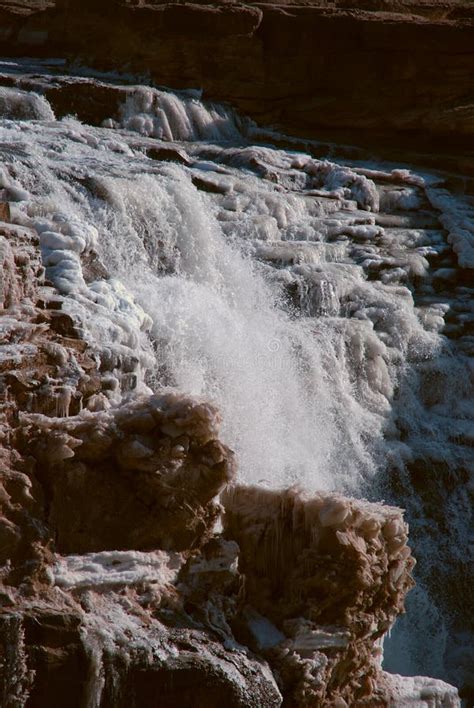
(319, 303)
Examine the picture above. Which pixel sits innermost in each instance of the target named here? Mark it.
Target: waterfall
(309, 300)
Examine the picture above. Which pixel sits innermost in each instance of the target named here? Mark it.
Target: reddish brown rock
(391, 75)
(331, 574)
(4, 211)
(155, 467)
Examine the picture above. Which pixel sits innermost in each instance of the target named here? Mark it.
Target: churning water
(309, 299)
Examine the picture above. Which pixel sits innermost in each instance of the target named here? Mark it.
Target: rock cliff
(394, 76)
(117, 586)
(131, 564)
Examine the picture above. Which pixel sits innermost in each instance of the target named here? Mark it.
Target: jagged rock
(68, 656)
(155, 466)
(169, 154)
(329, 572)
(4, 211)
(208, 185)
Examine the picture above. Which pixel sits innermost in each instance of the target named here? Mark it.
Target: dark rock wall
(387, 75)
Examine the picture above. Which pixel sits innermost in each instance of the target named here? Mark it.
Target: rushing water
(309, 299)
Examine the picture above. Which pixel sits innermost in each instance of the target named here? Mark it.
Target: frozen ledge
(420, 692)
(116, 568)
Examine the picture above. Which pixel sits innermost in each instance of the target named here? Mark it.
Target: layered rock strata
(390, 75)
(116, 586)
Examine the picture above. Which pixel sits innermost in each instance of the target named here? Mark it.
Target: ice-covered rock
(321, 309)
(329, 572)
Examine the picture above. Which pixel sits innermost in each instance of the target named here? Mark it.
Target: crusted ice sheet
(113, 568)
(420, 692)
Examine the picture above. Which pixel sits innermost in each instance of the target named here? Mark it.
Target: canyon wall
(393, 76)
(122, 576)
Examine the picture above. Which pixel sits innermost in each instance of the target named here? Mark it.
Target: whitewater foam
(288, 290)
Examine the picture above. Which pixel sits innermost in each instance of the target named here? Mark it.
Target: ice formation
(109, 568)
(325, 309)
(170, 116)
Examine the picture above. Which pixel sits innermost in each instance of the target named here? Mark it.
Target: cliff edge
(395, 76)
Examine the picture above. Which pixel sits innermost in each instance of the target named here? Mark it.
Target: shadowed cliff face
(391, 75)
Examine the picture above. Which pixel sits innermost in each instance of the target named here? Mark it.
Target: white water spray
(285, 291)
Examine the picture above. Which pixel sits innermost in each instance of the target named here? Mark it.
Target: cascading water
(306, 298)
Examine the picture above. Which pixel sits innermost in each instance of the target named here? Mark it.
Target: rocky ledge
(391, 75)
(123, 578)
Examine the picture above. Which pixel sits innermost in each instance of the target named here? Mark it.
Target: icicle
(63, 397)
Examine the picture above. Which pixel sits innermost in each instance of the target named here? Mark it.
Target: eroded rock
(331, 574)
(155, 466)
